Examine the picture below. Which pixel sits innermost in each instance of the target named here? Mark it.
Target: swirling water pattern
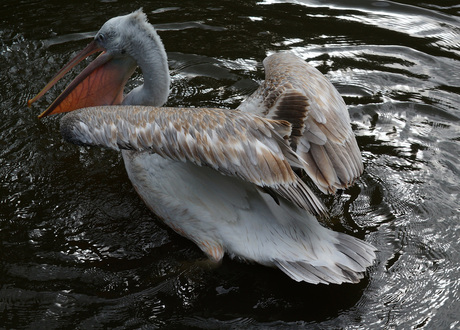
(79, 249)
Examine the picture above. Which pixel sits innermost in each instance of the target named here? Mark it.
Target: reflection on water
(79, 248)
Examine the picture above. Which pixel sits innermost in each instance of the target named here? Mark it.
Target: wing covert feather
(231, 142)
(321, 131)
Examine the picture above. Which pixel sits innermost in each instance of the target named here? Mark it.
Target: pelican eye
(100, 37)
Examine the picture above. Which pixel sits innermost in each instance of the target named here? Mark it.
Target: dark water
(79, 249)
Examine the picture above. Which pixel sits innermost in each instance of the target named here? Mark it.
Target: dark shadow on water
(239, 290)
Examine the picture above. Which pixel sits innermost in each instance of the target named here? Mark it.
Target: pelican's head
(102, 82)
(118, 35)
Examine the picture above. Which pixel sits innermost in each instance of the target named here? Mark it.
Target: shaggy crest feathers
(139, 15)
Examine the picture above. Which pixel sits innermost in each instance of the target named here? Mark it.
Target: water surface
(79, 249)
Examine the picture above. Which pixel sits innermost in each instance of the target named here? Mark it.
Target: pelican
(225, 179)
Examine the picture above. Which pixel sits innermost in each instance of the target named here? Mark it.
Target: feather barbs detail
(231, 142)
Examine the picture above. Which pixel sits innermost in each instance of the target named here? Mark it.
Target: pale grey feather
(353, 257)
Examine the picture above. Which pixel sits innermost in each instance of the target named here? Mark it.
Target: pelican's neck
(148, 51)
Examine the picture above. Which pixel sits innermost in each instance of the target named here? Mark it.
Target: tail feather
(359, 253)
(302, 271)
(347, 264)
(351, 276)
(288, 237)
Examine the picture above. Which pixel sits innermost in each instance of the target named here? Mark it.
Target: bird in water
(223, 178)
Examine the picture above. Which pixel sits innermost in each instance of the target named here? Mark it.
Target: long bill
(100, 83)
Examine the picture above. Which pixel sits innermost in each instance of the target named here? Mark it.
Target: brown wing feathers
(233, 143)
(321, 132)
